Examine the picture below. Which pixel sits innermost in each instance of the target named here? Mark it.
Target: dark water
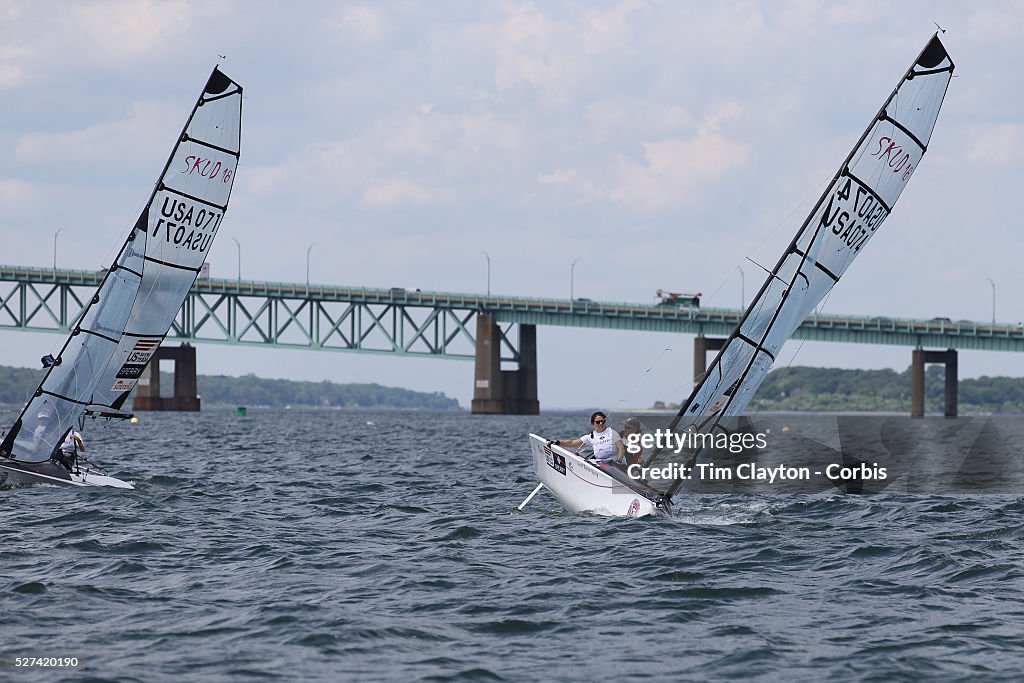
(325, 546)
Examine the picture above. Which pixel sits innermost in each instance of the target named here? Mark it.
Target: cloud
(1001, 144)
(676, 169)
(11, 75)
(673, 169)
(609, 30)
(128, 29)
(532, 48)
(420, 157)
(393, 192)
(990, 23)
(16, 192)
(126, 140)
(364, 23)
(13, 56)
(554, 56)
(569, 182)
(623, 117)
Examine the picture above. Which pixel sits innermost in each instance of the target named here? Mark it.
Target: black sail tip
(933, 54)
(218, 83)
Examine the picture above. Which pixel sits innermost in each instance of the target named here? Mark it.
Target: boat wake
(725, 514)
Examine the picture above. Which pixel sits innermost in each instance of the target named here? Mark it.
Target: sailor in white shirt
(605, 441)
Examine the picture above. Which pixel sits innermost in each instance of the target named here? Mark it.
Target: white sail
(846, 217)
(134, 306)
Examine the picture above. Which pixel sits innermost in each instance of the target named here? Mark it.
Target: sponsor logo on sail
(892, 153)
(130, 371)
(196, 165)
(139, 355)
(135, 363)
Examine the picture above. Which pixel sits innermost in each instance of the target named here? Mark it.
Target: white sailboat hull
(13, 474)
(582, 486)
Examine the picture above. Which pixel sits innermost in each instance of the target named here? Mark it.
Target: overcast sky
(661, 143)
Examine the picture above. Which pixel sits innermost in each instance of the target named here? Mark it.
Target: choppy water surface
(324, 546)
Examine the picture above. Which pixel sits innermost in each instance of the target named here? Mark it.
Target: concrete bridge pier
(701, 346)
(504, 392)
(147, 395)
(919, 358)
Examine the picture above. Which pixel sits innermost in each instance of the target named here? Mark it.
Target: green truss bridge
(486, 329)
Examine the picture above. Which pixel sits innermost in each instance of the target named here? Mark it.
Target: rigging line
(687, 330)
(819, 189)
(643, 375)
(117, 246)
(772, 273)
(730, 395)
(816, 191)
(815, 232)
(68, 340)
(858, 151)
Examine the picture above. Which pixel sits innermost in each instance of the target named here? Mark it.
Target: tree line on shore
(791, 389)
(17, 385)
(805, 389)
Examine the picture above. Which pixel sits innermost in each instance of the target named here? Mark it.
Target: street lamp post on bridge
(238, 244)
(993, 299)
(487, 256)
(308, 250)
(743, 291)
(59, 231)
(572, 280)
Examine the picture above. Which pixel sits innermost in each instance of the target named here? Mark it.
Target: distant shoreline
(17, 384)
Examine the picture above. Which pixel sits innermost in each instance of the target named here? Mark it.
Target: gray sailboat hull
(14, 474)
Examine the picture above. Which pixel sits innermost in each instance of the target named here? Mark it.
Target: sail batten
(173, 265)
(69, 399)
(866, 187)
(98, 334)
(909, 134)
(195, 199)
(856, 202)
(142, 292)
(209, 145)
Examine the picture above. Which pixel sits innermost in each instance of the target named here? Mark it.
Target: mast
(816, 258)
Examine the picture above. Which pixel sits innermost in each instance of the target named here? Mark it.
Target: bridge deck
(426, 322)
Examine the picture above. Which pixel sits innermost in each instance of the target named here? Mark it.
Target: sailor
(45, 424)
(629, 427)
(605, 441)
(73, 443)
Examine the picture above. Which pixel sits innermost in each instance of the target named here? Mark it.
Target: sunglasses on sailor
(599, 422)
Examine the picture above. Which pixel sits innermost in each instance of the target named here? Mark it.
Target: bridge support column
(504, 392)
(919, 358)
(147, 395)
(701, 346)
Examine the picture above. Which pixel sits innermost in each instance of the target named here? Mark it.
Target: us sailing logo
(136, 362)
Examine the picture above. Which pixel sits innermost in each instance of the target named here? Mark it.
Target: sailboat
(133, 308)
(846, 216)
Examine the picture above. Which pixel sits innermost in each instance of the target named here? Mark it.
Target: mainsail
(134, 306)
(848, 214)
